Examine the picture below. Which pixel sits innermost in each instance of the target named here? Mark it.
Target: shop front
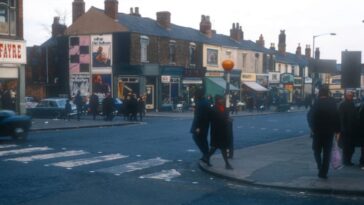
(12, 75)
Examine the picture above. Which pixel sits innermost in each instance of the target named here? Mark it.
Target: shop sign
(274, 77)
(194, 72)
(248, 77)
(308, 80)
(12, 52)
(166, 78)
(214, 74)
(297, 81)
(287, 78)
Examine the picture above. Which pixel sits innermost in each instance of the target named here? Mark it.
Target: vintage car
(50, 108)
(16, 126)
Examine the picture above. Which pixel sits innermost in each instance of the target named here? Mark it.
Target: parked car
(30, 102)
(16, 126)
(51, 107)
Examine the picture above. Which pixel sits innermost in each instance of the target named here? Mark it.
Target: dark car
(50, 108)
(16, 126)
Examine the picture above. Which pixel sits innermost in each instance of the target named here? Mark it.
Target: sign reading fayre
(101, 51)
(12, 52)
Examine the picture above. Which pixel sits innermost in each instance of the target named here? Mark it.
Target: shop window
(172, 52)
(144, 42)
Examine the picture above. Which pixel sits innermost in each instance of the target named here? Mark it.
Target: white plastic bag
(336, 160)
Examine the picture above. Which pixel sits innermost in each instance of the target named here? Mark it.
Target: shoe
(229, 167)
(322, 176)
(349, 164)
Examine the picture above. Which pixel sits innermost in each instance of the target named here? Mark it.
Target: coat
(359, 137)
(201, 119)
(323, 117)
(220, 129)
(348, 120)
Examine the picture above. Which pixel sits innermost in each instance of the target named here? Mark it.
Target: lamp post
(228, 65)
(315, 73)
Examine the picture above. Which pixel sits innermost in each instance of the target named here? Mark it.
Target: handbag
(336, 159)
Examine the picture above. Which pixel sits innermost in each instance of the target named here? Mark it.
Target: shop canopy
(217, 86)
(255, 86)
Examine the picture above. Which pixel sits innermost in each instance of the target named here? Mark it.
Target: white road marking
(87, 161)
(47, 156)
(8, 146)
(23, 151)
(275, 129)
(191, 150)
(134, 166)
(166, 175)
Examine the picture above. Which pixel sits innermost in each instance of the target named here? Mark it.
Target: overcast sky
(300, 19)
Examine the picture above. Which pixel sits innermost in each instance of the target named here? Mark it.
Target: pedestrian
(133, 108)
(348, 119)
(141, 107)
(79, 103)
(360, 136)
(219, 130)
(201, 123)
(108, 107)
(67, 110)
(324, 121)
(94, 105)
(125, 107)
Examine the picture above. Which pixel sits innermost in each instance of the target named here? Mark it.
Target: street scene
(194, 102)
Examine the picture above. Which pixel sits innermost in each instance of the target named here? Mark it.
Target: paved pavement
(288, 164)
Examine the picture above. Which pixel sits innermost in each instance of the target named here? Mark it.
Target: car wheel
(20, 134)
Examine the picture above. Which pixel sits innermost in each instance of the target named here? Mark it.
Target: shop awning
(222, 83)
(255, 86)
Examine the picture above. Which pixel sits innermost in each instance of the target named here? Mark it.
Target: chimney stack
(317, 53)
(308, 51)
(299, 50)
(261, 41)
(272, 46)
(78, 9)
(164, 19)
(111, 8)
(136, 13)
(236, 32)
(205, 25)
(57, 28)
(282, 42)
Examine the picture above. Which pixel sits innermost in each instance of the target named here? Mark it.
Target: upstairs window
(192, 53)
(8, 17)
(172, 52)
(144, 42)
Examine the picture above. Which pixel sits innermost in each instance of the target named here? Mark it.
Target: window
(144, 42)
(212, 56)
(172, 52)
(8, 17)
(192, 53)
(244, 60)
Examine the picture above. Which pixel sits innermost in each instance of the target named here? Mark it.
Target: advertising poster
(102, 51)
(101, 84)
(80, 82)
(79, 54)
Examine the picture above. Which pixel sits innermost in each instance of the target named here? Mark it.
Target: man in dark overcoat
(324, 121)
(201, 123)
(94, 105)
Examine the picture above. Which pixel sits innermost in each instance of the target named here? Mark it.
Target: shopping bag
(336, 160)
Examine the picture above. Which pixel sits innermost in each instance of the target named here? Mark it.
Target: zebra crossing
(80, 158)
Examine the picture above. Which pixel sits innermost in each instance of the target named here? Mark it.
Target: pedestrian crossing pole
(228, 66)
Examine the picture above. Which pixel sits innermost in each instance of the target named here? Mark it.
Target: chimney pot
(78, 9)
(111, 8)
(164, 19)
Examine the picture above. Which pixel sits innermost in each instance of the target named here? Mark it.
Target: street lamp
(228, 65)
(315, 74)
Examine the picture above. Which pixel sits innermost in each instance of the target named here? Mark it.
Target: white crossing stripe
(134, 166)
(93, 160)
(23, 151)
(166, 175)
(48, 156)
(8, 146)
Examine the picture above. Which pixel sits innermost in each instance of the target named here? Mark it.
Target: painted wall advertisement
(101, 84)
(80, 82)
(79, 54)
(101, 51)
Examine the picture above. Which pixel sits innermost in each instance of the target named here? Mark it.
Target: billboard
(79, 54)
(350, 69)
(101, 84)
(101, 51)
(80, 82)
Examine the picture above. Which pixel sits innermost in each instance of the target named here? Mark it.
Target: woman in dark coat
(219, 130)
